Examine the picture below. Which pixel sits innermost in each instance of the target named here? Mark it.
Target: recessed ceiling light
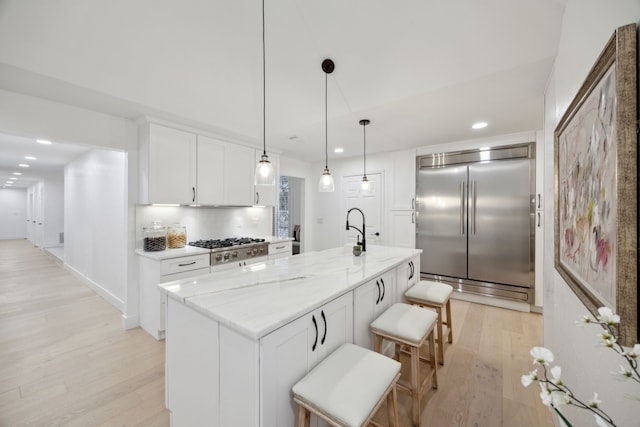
(17, 173)
(338, 150)
(9, 183)
(13, 178)
(43, 141)
(30, 158)
(479, 125)
(23, 165)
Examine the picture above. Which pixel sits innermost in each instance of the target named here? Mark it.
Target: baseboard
(130, 322)
(536, 309)
(496, 302)
(105, 294)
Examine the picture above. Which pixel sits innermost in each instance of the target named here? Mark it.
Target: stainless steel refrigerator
(475, 221)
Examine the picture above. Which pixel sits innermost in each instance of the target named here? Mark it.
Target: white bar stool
(435, 295)
(409, 325)
(348, 387)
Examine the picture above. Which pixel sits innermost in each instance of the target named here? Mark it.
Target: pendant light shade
(326, 184)
(365, 185)
(265, 174)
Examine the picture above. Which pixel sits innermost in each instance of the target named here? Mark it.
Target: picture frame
(596, 186)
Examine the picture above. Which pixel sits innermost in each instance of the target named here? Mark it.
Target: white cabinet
(280, 249)
(155, 271)
(290, 352)
(402, 229)
(192, 391)
(370, 300)
(167, 165)
(402, 217)
(407, 275)
(225, 173)
(403, 187)
(267, 195)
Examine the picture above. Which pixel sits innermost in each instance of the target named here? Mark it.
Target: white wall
(53, 200)
(587, 26)
(96, 222)
(13, 213)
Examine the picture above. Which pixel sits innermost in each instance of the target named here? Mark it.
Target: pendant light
(264, 175)
(365, 185)
(326, 184)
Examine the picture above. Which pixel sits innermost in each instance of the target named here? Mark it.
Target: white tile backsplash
(208, 223)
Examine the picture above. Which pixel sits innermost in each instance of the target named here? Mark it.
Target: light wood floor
(65, 360)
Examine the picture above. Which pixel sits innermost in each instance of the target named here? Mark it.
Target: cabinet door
(369, 301)
(403, 190)
(192, 382)
(287, 354)
(239, 169)
(172, 165)
(211, 179)
(335, 325)
(402, 229)
(267, 195)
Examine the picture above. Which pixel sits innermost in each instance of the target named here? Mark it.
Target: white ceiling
(421, 70)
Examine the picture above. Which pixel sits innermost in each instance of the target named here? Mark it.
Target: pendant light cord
(264, 91)
(326, 127)
(364, 155)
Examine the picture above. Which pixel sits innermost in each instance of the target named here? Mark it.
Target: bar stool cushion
(427, 290)
(405, 321)
(348, 383)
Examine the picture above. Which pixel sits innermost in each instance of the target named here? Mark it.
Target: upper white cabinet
(403, 190)
(267, 195)
(167, 165)
(225, 173)
(179, 167)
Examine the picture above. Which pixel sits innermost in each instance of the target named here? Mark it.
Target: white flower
(559, 398)
(586, 319)
(607, 342)
(541, 355)
(556, 372)
(593, 403)
(532, 376)
(634, 353)
(604, 335)
(607, 316)
(623, 374)
(545, 394)
(600, 421)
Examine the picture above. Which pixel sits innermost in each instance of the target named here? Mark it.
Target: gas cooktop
(225, 243)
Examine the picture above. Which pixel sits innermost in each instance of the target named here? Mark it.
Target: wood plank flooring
(65, 360)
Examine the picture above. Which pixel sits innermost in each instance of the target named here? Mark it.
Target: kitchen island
(238, 340)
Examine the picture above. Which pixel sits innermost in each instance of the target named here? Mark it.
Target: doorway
(290, 211)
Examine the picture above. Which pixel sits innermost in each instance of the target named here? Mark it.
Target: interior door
(371, 205)
(500, 222)
(441, 220)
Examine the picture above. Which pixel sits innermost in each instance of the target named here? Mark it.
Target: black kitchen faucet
(364, 240)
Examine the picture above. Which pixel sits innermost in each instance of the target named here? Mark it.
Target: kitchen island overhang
(250, 317)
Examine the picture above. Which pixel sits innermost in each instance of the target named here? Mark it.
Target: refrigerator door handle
(473, 207)
(462, 207)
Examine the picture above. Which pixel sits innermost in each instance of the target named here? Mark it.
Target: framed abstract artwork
(596, 186)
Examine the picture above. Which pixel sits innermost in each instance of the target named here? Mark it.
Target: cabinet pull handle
(315, 325)
(324, 319)
(280, 247)
(539, 200)
(413, 203)
(184, 265)
(384, 288)
(410, 270)
(378, 285)
(257, 197)
(538, 219)
(193, 190)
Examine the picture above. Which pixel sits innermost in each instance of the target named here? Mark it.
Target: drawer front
(279, 248)
(187, 263)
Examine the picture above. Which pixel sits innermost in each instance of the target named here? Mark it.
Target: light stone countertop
(258, 299)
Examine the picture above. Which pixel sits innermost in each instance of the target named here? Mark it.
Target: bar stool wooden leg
(415, 384)
(392, 408)
(449, 323)
(440, 338)
(432, 356)
(304, 417)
